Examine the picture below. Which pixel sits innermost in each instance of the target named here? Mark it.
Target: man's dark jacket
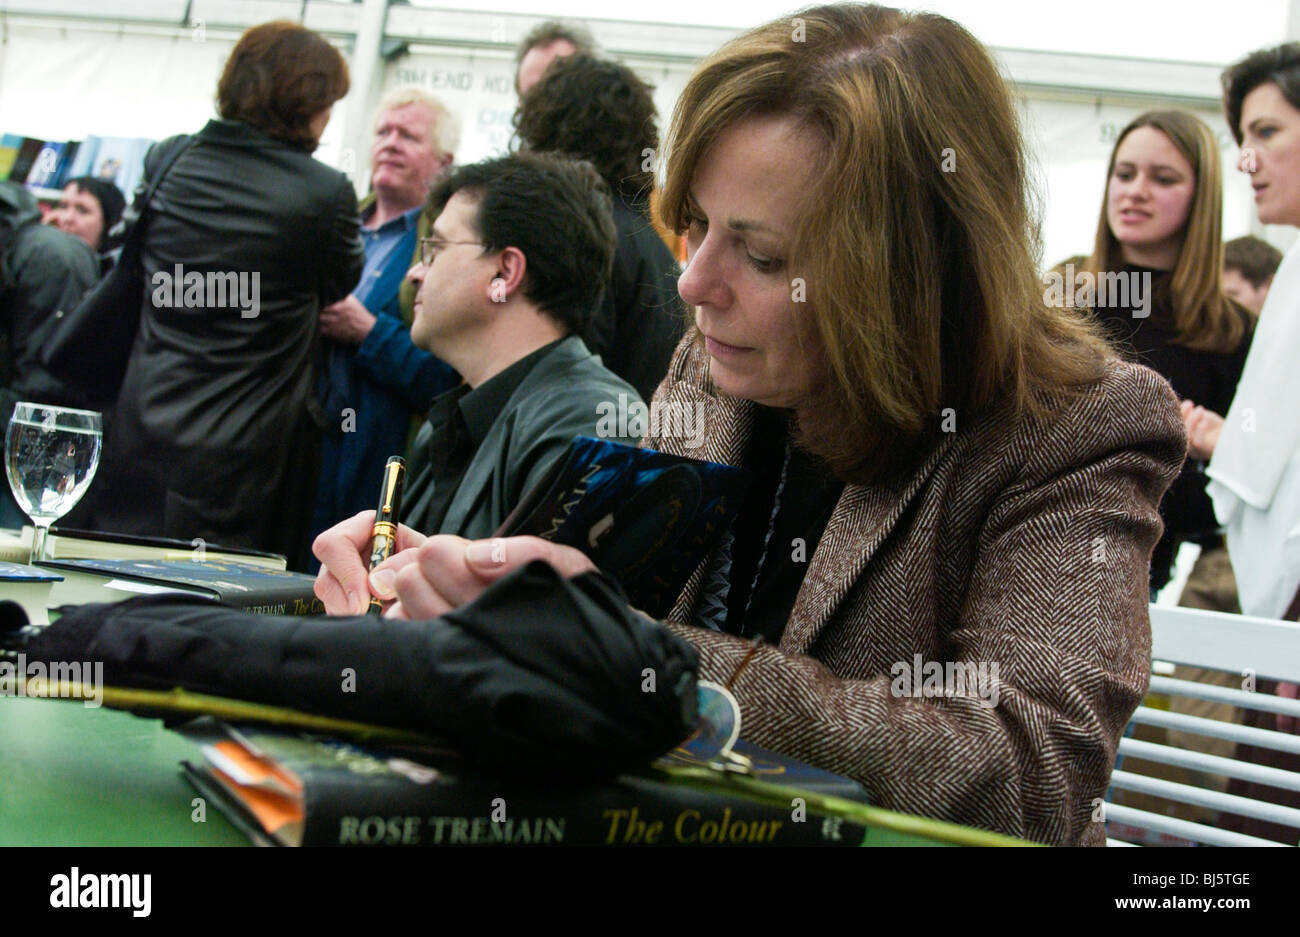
(43, 273)
(563, 396)
(215, 436)
(641, 318)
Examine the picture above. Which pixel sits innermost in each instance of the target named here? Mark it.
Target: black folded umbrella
(539, 673)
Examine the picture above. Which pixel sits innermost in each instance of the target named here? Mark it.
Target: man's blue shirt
(380, 243)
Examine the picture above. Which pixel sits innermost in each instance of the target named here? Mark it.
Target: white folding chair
(1250, 647)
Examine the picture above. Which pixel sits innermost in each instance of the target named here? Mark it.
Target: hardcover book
(67, 543)
(28, 586)
(83, 163)
(301, 789)
(10, 144)
(68, 157)
(243, 585)
(28, 150)
(45, 169)
(646, 518)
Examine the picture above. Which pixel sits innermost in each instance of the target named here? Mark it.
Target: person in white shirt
(1255, 448)
(1255, 466)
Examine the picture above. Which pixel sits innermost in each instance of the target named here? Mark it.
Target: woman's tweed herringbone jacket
(1019, 543)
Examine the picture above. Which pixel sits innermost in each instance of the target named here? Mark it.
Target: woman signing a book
(945, 550)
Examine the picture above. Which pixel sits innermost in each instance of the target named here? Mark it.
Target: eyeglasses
(429, 248)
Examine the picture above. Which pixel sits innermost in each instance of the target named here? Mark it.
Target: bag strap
(132, 217)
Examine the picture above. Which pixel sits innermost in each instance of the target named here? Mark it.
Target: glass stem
(39, 531)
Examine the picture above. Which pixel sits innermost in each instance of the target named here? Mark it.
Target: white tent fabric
(67, 80)
(1217, 31)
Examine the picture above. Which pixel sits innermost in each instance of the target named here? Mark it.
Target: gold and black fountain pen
(383, 536)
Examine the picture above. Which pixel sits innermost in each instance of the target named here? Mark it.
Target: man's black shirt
(460, 419)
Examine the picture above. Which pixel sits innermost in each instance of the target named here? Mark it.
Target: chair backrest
(1186, 772)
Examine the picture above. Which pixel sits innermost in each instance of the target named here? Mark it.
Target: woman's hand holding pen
(426, 576)
(344, 554)
(445, 572)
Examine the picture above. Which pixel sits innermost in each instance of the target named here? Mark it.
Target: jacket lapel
(728, 422)
(862, 520)
(491, 455)
(474, 486)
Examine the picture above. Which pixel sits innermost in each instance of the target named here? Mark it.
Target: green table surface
(71, 775)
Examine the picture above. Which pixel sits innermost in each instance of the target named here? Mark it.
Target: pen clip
(391, 487)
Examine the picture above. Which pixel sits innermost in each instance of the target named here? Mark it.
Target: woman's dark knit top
(1206, 378)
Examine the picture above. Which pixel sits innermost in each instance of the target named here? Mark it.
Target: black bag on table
(539, 674)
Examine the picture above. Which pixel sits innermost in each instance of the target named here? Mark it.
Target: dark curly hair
(1279, 64)
(278, 77)
(598, 111)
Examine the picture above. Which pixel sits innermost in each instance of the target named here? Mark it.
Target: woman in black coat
(600, 111)
(247, 238)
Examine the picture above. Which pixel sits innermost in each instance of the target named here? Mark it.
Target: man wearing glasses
(519, 257)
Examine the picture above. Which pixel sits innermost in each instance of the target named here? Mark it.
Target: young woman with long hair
(1156, 275)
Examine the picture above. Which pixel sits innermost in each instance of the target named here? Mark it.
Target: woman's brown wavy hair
(1203, 318)
(917, 244)
(278, 77)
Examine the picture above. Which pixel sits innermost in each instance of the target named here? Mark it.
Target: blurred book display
(45, 166)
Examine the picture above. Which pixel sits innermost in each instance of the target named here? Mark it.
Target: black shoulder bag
(88, 348)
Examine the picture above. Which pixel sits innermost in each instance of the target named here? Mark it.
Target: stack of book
(242, 585)
(284, 788)
(64, 543)
(83, 566)
(28, 586)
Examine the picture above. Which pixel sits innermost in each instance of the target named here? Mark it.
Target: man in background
(376, 382)
(545, 43)
(1248, 267)
(555, 39)
(513, 273)
(602, 112)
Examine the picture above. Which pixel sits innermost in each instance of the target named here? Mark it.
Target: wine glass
(51, 454)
